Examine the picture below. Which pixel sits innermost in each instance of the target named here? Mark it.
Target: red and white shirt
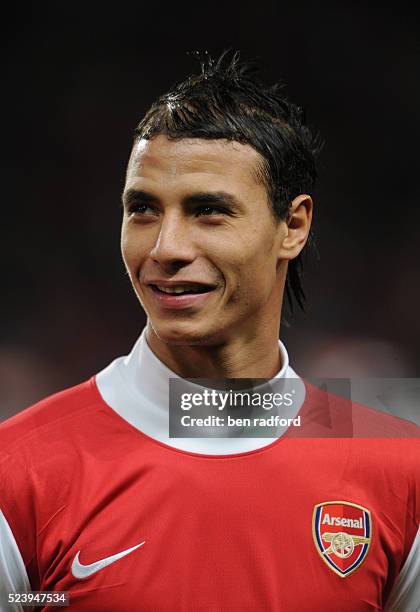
(97, 500)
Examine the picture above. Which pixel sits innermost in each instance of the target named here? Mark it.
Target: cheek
(130, 251)
(126, 251)
(246, 275)
(253, 269)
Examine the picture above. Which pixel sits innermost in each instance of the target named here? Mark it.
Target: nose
(174, 246)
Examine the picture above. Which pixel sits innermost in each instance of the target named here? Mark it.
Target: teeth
(178, 289)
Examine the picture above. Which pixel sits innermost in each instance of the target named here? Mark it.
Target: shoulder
(376, 446)
(45, 441)
(38, 456)
(48, 418)
(339, 416)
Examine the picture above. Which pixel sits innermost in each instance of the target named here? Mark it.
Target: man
(99, 501)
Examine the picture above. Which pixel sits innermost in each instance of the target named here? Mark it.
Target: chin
(178, 334)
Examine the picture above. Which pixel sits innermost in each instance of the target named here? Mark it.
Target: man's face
(197, 219)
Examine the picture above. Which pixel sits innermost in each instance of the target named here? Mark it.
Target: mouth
(182, 289)
(182, 295)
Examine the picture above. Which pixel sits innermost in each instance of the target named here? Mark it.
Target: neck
(240, 357)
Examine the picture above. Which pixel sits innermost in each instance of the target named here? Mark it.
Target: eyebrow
(200, 197)
(136, 195)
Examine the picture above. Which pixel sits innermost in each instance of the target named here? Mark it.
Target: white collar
(136, 387)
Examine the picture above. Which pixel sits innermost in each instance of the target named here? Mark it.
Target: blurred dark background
(77, 78)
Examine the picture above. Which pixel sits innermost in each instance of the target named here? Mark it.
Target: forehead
(167, 159)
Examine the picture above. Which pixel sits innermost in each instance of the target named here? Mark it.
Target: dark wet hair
(228, 101)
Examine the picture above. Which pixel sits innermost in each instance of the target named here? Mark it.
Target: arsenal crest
(342, 534)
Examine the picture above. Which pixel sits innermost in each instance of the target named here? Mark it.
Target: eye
(210, 210)
(142, 209)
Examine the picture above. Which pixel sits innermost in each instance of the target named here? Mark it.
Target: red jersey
(123, 522)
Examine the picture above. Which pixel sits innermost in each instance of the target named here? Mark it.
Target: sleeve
(405, 595)
(13, 576)
(18, 527)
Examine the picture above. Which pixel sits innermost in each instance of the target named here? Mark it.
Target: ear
(298, 224)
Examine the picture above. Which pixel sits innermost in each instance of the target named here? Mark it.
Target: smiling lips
(180, 294)
(178, 289)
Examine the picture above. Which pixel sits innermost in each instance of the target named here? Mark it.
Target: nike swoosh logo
(84, 571)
